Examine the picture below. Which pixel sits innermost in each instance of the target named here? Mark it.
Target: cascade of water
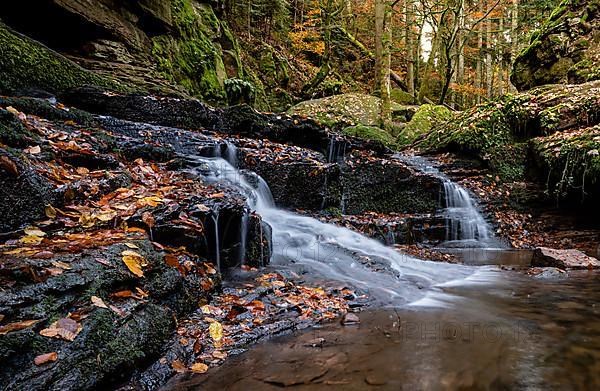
(465, 222)
(215, 217)
(244, 236)
(327, 250)
(231, 154)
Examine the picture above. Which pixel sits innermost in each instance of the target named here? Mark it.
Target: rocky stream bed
(137, 235)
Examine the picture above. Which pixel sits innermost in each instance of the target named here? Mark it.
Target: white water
(308, 246)
(465, 222)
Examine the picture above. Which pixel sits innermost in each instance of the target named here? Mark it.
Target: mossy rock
(426, 117)
(346, 110)
(201, 54)
(26, 64)
(566, 49)
(371, 133)
(402, 97)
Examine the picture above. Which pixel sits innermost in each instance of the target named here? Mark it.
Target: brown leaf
(15, 326)
(98, 302)
(45, 358)
(178, 366)
(199, 367)
(64, 328)
(148, 219)
(33, 150)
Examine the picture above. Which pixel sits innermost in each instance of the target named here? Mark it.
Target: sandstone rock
(350, 319)
(563, 259)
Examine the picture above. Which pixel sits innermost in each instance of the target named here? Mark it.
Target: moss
(344, 110)
(486, 131)
(371, 133)
(13, 133)
(426, 117)
(26, 64)
(402, 97)
(192, 57)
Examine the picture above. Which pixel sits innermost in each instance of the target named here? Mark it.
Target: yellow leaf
(133, 261)
(34, 231)
(131, 245)
(50, 212)
(98, 302)
(31, 239)
(106, 215)
(216, 331)
(199, 367)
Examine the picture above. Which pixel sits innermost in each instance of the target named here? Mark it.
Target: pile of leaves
(267, 305)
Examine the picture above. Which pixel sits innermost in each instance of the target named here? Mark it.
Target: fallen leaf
(16, 326)
(33, 150)
(9, 165)
(216, 331)
(98, 302)
(178, 366)
(82, 171)
(50, 212)
(148, 219)
(34, 231)
(134, 262)
(45, 358)
(199, 367)
(64, 328)
(218, 354)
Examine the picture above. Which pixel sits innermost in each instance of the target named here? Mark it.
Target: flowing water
(437, 326)
(319, 250)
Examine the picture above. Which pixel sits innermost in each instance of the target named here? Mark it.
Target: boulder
(23, 192)
(563, 259)
(566, 49)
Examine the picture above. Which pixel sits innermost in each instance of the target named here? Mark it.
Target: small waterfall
(465, 225)
(244, 236)
(465, 222)
(231, 154)
(215, 217)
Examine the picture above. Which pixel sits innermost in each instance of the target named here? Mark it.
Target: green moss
(486, 131)
(192, 57)
(426, 117)
(26, 64)
(371, 133)
(402, 97)
(13, 133)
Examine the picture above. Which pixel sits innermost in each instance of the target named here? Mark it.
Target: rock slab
(563, 259)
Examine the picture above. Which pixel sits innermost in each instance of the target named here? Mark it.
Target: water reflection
(518, 333)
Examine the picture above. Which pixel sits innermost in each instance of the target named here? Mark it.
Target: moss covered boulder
(566, 49)
(548, 135)
(426, 117)
(349, 110)
(371, 133)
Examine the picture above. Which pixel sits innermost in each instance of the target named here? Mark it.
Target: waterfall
(244, 236)
(465, 222)
(215, 217)
(465, 225)
(313, 248)
(231, 153)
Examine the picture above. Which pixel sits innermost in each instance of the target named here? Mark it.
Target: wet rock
(563, 259)
(113, 341)
(350, 319)
(547, 273)
(23, 192)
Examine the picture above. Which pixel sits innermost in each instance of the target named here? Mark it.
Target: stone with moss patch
(371, 133)
(426, 117)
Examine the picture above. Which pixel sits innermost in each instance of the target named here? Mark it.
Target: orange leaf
(45, 358)
(17, 326)
(199, 367)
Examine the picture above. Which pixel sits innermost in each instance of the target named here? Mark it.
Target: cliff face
(174, 47)
(565, 50)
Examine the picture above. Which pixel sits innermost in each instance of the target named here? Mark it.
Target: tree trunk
(479, 67)
(410, 49)
(383, 57)
(489, 67)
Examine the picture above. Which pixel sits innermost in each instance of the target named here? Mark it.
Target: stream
(430, 325)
